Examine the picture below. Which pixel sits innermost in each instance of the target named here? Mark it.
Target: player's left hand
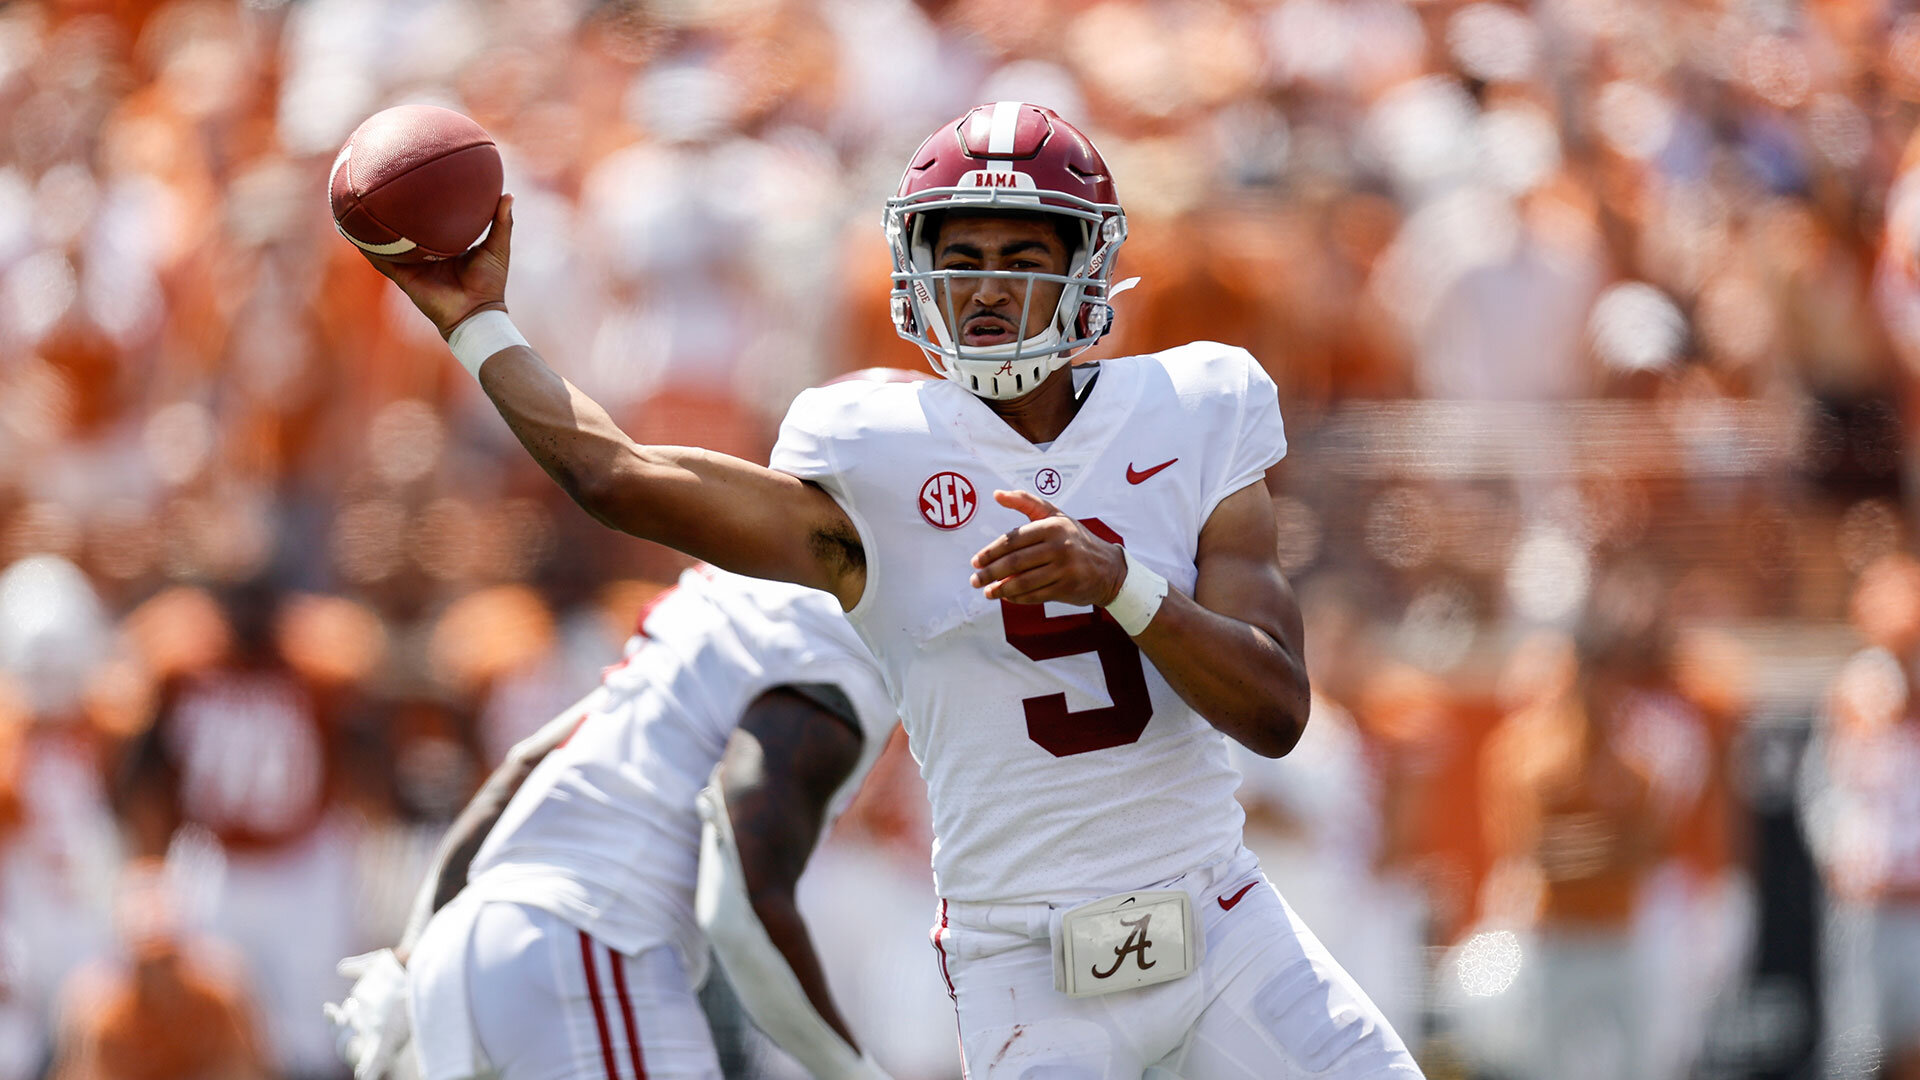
(372, 1026)
(1050, 558)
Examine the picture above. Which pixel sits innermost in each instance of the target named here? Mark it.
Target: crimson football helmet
(1023, 159)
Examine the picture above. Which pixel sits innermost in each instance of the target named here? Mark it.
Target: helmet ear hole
(1096, 319)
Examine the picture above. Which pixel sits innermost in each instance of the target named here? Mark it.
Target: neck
(1043, 413)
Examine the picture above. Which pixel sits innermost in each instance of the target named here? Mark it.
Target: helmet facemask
(922, 301)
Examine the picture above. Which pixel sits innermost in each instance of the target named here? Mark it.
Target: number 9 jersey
(1059, 763)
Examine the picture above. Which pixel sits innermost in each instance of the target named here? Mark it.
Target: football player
(249, 746)
(1100, 916)
(556, 936)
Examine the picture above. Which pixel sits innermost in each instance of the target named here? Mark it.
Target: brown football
(415, 183)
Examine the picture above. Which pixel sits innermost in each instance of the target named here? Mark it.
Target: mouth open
(987, 330)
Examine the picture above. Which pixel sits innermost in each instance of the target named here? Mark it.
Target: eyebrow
(1008, 250)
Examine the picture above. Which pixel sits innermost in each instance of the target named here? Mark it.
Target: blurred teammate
(1565, 805)
(59, 851)
(170, 1008)
(1864, 821)
(556, 936)
(246, 749)
(1100, 914)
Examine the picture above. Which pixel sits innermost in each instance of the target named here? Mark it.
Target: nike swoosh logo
(1142, 477)
(1226, 903)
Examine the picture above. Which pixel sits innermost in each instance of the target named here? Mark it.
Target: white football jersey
(604, 833)
(1059, 763)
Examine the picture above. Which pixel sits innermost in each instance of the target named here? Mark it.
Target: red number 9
(1039, 636)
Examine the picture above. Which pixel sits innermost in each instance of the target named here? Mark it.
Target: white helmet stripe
(1006, 118)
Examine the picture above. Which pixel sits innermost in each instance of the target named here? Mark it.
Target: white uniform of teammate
(1060, 764)
(573, 950)
(1868, 827)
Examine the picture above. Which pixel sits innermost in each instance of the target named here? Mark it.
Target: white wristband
(480, 335)
(1139, 597)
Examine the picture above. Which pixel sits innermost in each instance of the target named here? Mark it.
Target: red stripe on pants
(941, 947)
(599, 1010)
(626, 1009)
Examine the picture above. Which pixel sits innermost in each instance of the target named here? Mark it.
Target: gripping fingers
(1014, 562)
(1033, 587)
(1011, 541)
(1045, 519)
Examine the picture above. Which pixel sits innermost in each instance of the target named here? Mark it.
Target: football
(415, 183)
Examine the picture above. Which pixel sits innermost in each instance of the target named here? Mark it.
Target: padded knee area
(1314, 1017)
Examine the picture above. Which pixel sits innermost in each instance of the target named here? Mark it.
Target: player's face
(988, 311)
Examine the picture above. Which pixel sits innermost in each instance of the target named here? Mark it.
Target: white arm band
(480, 335)
(1139, 598)
(761, 977)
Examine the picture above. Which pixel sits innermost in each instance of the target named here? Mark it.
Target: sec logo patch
(947, 500)
(1046, 482)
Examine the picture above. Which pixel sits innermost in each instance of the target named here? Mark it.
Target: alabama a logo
(947, 500)
(1137, 944)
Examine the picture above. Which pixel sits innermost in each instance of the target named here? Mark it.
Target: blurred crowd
(1595, 323)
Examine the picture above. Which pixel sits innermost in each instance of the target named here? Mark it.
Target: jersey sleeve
(827, 439)
(876, 716)
(804, 448)
(1260, 437)
(840, 660)
(836, 656)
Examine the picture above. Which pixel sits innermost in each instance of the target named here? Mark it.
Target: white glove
(372, 1026)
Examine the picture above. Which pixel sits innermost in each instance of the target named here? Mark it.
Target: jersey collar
(1101, 415)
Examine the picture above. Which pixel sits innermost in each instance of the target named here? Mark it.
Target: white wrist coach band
(1139, 598)
(480, 335)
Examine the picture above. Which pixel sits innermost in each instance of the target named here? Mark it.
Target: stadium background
(1583, 316)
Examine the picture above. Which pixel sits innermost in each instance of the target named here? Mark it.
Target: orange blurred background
(1596, 324)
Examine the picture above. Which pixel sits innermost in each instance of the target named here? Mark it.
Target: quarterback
(1069, 578)
(565, 925)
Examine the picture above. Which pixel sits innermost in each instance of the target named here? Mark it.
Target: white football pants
(1267, 1001)
(546, 1001)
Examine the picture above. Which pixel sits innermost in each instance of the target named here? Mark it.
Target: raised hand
(1050, 558)
(452, 289)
